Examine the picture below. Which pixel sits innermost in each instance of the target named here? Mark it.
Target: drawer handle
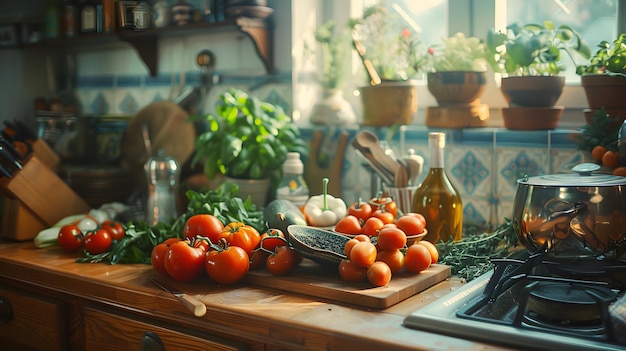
(6, 310)
(151, 342)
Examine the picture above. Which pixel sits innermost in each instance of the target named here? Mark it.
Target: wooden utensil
(368, 143)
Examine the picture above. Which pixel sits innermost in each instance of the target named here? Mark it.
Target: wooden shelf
(147, 42)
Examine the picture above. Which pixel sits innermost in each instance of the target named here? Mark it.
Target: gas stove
(537, 302)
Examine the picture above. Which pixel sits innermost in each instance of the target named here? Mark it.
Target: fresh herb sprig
(471, 257)
(141, 238)
(602, 131)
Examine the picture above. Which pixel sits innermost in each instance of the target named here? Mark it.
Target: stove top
(536, 303)
(445, 316)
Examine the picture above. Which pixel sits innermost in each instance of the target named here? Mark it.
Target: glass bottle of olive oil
(437, 199)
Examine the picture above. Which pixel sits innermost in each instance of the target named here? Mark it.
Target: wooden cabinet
(50, 321)
(132, 333)
(32, 322)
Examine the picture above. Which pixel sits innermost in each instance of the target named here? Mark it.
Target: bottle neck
(436, 154)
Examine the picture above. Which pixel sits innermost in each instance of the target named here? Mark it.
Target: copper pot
(577, 214)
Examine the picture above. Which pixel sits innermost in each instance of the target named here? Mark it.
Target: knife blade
(191, 303)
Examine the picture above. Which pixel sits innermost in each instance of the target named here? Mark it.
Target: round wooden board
(169, 130)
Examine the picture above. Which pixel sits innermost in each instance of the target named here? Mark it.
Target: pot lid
(583, 176)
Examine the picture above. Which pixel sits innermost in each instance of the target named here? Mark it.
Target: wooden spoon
(366, 140)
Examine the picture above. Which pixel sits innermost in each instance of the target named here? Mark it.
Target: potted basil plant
(604, 77)
(247, 142)
(532, 56)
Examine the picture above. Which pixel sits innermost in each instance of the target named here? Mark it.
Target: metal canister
(141, 16)
(162, 172)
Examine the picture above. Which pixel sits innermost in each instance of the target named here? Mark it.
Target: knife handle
(194, 305)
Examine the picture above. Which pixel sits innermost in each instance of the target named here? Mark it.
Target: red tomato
(418, 216)
(386, 217)
(283, 260)
(242, 235)
(363, 254)
(184, 262)
(384, 204)
(116, 229)
(417, 258)
(349, 225)
(350, 243)
(379, 273)
(203, 225)
(70, 238)
(272, 239)
(258, 259)
(410, 225)
(361, 210)
(372, 226)
(157, 257)
(227, 266)
(434, 253)
(393, 259)
(98, 242)
(390, 239)
(350, 272)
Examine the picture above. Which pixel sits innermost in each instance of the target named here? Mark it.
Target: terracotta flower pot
(603, 90)
(532, 118)
(456, 87)
(389, 103)
(536, 91)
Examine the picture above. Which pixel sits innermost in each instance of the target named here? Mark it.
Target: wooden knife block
(35, 199)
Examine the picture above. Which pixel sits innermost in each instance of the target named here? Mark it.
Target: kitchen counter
(238, 317)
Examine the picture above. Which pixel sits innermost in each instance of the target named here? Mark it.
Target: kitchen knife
(194, 305)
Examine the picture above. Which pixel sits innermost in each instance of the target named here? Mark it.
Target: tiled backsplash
(483, 163)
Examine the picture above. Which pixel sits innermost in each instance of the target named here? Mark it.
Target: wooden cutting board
(311, 279)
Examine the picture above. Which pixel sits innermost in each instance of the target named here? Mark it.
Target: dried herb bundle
(471, 257)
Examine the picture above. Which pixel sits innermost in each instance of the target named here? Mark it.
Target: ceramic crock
(575, 214)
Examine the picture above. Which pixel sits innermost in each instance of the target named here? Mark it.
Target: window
(596, 20)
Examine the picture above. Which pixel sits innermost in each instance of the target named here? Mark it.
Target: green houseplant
(333, 108)
(457, 69)
(604, 78)
(395, 53)
(247, 139)
(532, 56)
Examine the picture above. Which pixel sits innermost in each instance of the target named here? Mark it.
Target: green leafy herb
(141, 238)
(471, 256)
(602, 131)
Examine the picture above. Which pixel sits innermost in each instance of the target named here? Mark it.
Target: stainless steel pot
(578, 214)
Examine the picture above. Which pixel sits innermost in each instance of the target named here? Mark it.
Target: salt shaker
(162, 172)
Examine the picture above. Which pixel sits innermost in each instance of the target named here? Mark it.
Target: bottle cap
(293, 164)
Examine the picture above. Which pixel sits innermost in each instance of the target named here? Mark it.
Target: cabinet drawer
(32, 321)
(111, 331)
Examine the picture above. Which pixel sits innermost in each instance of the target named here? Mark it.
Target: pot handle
(555, 208)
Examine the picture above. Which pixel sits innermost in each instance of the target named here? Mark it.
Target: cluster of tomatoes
(71, 238)
(377, 262)
(370, 217)
(378, 248)
(608, 158)
(224, 252)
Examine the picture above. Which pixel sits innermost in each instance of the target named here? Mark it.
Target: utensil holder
(402, 196)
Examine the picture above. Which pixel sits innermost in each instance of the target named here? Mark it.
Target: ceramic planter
(389, 103)
(532, 102)
(603, 90)
(457, 87)
(333, 110)
(532, 90)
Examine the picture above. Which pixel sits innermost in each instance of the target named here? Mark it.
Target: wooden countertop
(271, 316)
